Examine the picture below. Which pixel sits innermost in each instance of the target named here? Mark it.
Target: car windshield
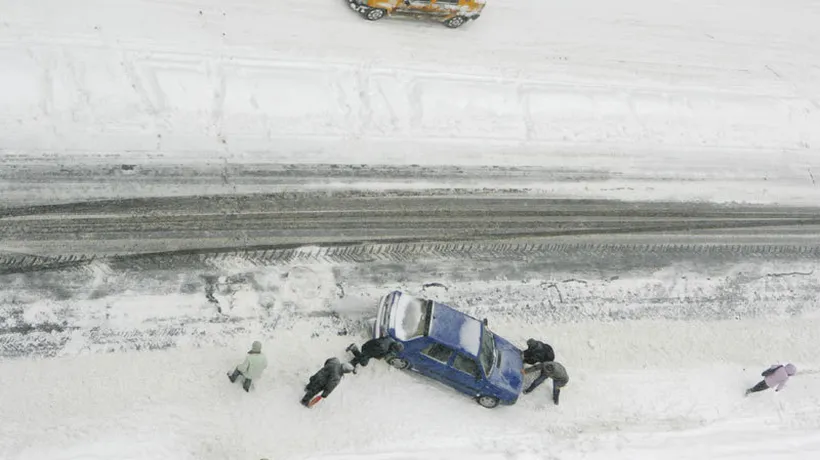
(487, 354)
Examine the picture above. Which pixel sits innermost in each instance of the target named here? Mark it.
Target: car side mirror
(485, 321)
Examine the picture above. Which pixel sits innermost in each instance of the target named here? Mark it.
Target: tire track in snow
(399, 252)
(352, 227)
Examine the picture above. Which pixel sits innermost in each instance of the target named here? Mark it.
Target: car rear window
(412, 317)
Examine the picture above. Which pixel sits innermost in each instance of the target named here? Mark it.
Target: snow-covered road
(210, 76)
(273, 221)
(722, 98)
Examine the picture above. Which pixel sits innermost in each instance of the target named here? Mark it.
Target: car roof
(455, 329)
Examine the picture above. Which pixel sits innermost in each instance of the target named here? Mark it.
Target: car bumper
(357, 7)
(381, 324)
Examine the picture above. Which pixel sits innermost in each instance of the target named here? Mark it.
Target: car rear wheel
(456, 21)
(374, 14)
(399, 363)
(487, 401)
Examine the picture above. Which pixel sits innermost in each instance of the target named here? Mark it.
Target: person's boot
(351, 347)
(247, 385)
(234, 376)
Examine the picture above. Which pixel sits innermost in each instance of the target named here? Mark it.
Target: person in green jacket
(252, 368)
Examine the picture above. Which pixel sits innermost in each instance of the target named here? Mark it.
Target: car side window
(466, 365)
(447, 2)
(438, 352)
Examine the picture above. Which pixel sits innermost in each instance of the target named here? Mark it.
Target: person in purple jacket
(775, 376)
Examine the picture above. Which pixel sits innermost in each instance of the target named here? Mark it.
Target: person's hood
(256, 347)
(791, 369)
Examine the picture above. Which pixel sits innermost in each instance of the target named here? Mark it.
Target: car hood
(509, 374)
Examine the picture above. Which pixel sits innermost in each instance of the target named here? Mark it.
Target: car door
(446, 7)
(465, 373)
(434, 361)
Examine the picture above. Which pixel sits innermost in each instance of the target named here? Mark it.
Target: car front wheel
(487, 401)
(399, 363)
(374, 14)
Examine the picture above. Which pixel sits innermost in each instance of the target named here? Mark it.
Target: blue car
(452, 347)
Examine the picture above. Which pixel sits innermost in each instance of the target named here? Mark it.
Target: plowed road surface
(241, 221)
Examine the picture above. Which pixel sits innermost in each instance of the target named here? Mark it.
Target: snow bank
(637, 386)
(79, 407)
(636, 391)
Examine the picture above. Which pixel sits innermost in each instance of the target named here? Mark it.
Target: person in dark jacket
(378, 348)
(326, 379)
(538, 352)
(549, 370)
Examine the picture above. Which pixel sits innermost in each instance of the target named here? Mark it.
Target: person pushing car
(549, 370)
(537, 352)
(378, 348)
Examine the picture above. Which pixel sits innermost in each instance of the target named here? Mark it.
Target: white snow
(678, 100)
(695, 100)
(644, 388)
(178, 403)
(469, 336)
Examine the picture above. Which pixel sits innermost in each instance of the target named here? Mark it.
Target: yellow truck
(452, 13)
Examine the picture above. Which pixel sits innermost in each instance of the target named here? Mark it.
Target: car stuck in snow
(452, 347)
(452, 13)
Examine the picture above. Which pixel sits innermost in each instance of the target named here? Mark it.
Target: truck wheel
(399, 363)
(374, 14)
(455, 22)
(487, 401)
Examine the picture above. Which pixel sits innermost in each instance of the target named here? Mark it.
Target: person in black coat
(326, 379)
(378, 348)
(538, 352)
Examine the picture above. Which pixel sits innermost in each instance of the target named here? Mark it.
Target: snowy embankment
(645, 383)
(178, 404)
(689, 100)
